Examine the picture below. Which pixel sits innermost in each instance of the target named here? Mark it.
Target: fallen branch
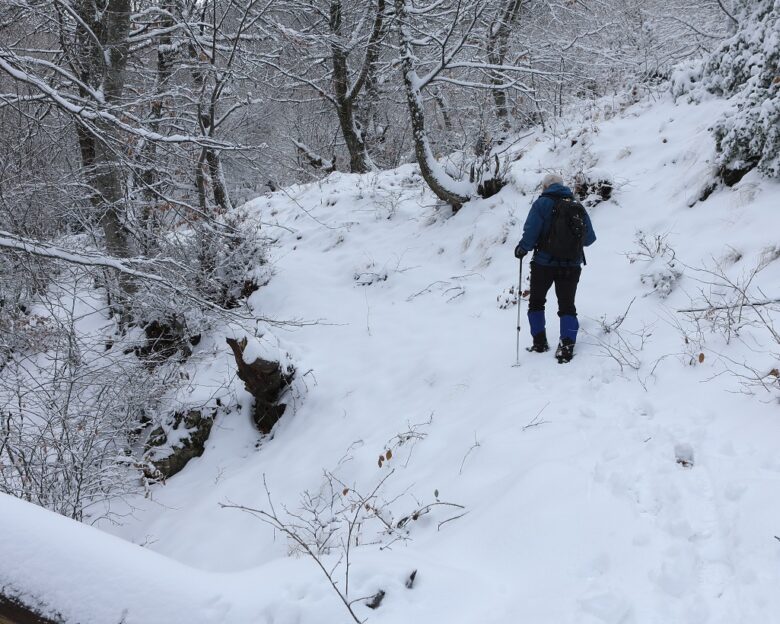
(313, 158)
(730, 307)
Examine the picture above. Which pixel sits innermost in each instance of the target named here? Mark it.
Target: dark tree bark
(498, 47)
(150, 177)
(13, 611)
(207, 119)
(345, 94)
(107, 48)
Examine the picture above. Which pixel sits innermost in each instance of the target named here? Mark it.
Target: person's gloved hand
(520, 253)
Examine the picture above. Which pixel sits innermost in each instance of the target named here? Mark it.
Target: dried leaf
(345, 492)
(436, 494)
(701, 358)
(389, 455)
(774, 372)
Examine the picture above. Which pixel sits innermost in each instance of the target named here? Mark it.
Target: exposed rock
(593, 189)
(164, 339)
(376, 600)
(192, 445)
(704, 194)
(265, 381)
(731, 176)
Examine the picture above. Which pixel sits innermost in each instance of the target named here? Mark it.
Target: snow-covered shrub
(22, 278)
(370, 274)
(232, 260)
(488, 173)
(734, 305)
(70, 409)
(508, 297)
(660, 271)
(214, 265)
(747, 67)
(686, 78)
(660, 278)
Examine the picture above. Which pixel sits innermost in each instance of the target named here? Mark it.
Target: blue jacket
(538, 224)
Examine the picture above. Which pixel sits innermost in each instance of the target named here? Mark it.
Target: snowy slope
(576, 508)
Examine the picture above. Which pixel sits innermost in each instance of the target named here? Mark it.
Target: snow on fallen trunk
(71, 572)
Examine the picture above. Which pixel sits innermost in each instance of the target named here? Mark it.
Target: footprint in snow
(607, 607)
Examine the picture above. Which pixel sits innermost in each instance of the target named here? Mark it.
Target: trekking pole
(519, 300)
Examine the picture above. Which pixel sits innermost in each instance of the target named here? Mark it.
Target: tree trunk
(445, 114)
(454, 192)
(498, 46)
(359, 160)
(218, 184)
(104, 67)
(151, 177)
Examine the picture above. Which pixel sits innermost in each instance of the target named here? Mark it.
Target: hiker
(557, 229)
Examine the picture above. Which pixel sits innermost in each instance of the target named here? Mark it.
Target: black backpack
(565, 238)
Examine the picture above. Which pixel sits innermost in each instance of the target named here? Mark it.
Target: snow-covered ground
(580, 502)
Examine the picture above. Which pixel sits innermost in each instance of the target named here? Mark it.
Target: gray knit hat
(550, 179)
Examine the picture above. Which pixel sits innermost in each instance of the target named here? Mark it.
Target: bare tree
(440, 43)
(328, 36)
(501, 26)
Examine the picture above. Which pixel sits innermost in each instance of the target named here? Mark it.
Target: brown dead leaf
(701, 358)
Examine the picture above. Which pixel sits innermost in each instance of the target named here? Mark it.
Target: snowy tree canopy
(747, 67)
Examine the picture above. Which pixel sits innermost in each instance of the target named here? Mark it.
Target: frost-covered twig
(294, 534)
(617, 343)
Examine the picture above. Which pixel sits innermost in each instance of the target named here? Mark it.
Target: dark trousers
(565, 280)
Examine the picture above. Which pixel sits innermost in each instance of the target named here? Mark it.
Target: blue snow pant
(565, 280)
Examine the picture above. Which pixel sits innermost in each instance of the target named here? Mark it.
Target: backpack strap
(544, 238)
(584, 214)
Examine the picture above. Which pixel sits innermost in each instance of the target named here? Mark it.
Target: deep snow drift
(581, 504)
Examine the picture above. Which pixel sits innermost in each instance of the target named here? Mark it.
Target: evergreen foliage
(747, 67)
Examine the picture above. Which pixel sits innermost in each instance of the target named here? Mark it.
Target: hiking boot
(540, 343)
(565, 351)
